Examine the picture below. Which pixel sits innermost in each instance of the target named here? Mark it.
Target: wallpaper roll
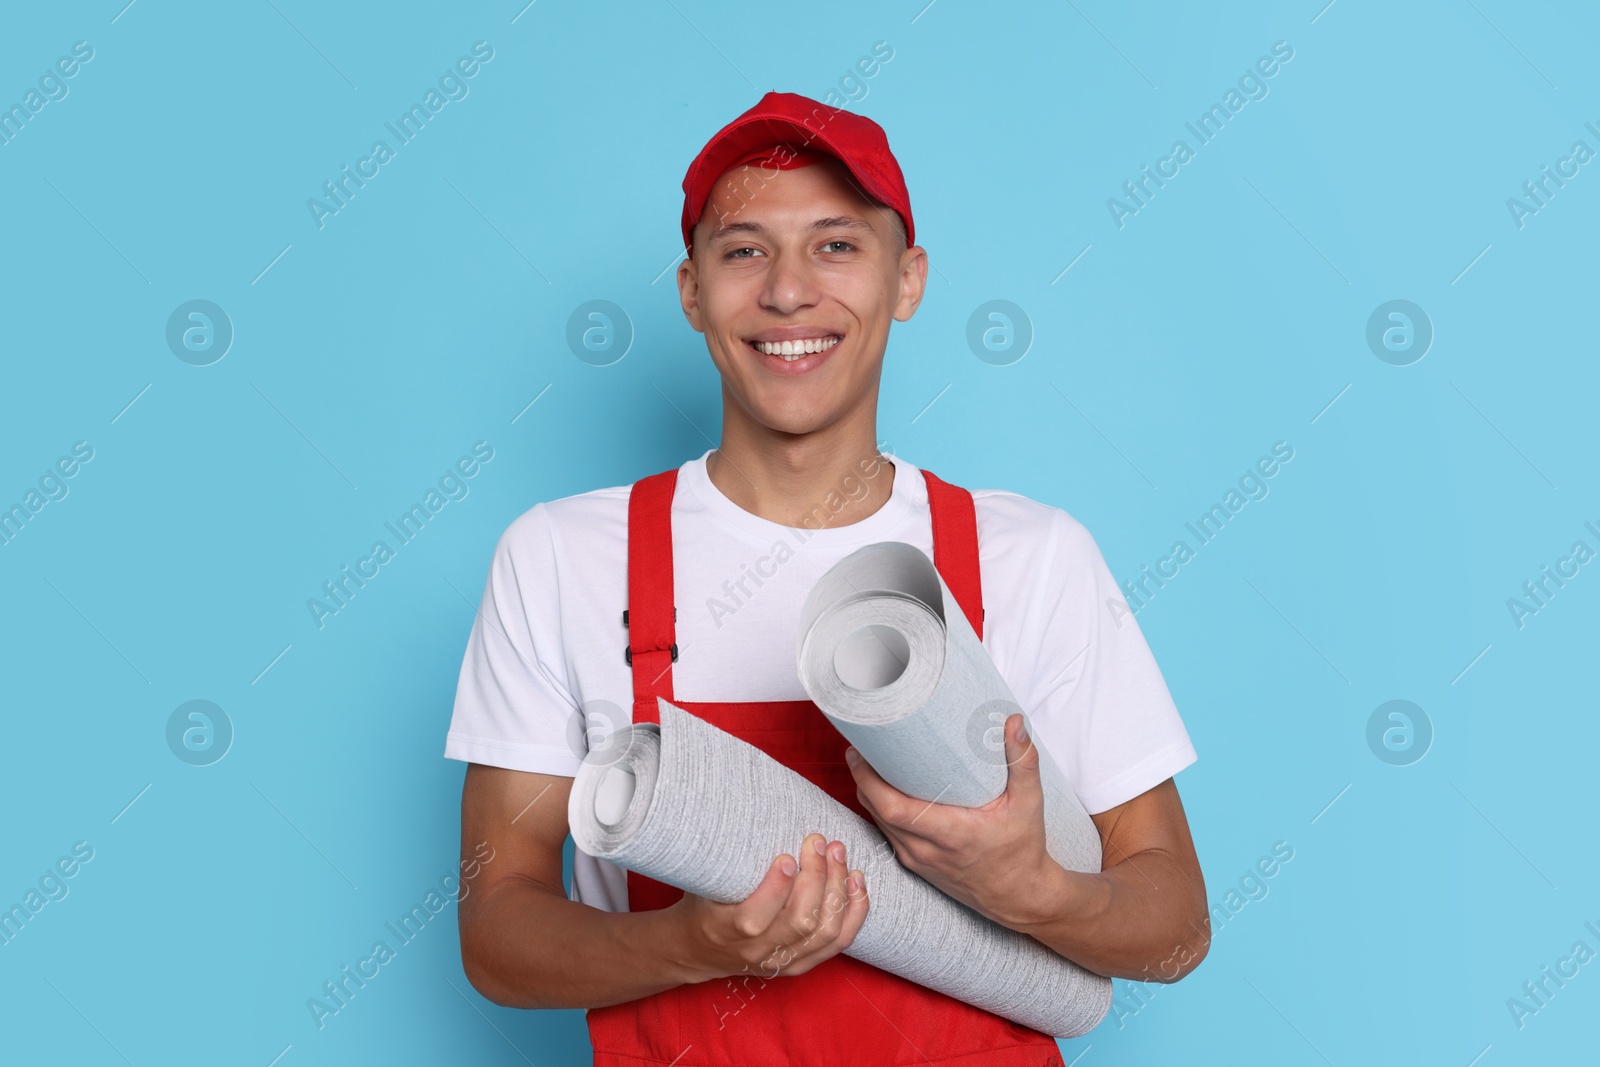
(888, 655)
(690, 805)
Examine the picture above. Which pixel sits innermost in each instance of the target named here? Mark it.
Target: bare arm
(524, 944)
(1144, 916)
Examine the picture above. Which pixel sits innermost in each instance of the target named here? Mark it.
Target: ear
(913, 282)
(689, 293)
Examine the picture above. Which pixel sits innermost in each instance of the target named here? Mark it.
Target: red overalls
(841, 1013)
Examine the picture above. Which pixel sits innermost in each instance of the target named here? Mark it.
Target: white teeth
(793, 350)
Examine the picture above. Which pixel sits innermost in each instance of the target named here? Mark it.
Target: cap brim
(742, 137)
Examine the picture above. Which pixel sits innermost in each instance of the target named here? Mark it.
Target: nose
(791, 284)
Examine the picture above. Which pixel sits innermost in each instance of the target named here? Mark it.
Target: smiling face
(794, 279)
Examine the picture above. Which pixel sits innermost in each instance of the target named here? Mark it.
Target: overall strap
(955, 545)
(649, 618)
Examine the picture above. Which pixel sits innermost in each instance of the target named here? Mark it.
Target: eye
(838, 246)
(739, 253)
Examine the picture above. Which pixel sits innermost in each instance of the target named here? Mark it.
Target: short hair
(894, 217)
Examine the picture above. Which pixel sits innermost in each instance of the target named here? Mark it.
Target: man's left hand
(992, 858)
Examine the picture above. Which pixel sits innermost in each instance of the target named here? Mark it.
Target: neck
(834, 476)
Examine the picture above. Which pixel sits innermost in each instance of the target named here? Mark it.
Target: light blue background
(1225, 316)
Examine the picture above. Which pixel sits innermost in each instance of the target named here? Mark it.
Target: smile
(793, 350)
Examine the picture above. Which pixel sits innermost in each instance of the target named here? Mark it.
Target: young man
(799, 232)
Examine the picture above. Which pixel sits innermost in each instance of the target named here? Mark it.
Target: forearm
(526, 946)
(1144, 918)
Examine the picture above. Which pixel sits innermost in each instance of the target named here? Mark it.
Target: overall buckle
(627, 650)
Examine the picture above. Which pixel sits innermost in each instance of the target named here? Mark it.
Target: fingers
(819, 910)
(895, 835)
(871, 789)
(1022, 761)
(855, 912)
(801, 913)
(835, 898)
(800, 916)
(756, 913)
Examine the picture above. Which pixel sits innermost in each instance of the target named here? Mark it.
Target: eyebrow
(833, 222)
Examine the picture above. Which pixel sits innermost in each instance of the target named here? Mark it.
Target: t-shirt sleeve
(512, 709)
(1105, 704)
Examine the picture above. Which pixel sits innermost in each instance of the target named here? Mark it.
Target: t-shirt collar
(908, 492)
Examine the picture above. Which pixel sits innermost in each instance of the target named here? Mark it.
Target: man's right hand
(794, 920)
(524, 944)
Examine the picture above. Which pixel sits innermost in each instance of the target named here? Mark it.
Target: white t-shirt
(544, 662)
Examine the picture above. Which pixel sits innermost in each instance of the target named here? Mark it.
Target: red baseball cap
(786, 130)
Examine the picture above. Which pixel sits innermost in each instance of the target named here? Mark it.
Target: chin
(794, 425)
(791, 418)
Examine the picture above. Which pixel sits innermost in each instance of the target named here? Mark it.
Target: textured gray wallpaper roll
(693, 806)
(888, 655)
